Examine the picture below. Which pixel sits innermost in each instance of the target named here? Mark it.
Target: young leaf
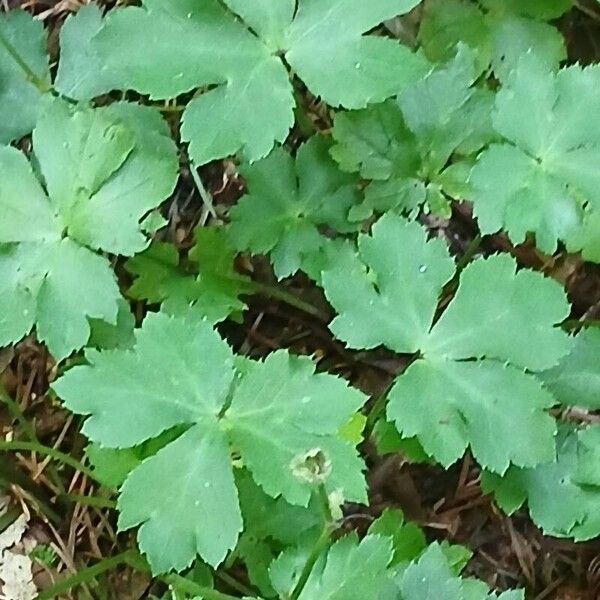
(19, 97)
(449, 404)
(550, 151)
(103, 169)
(213, 293)
(405, 147)
(279, 417)
(251, 106)
(287, 201)
(575, 381)
(563, 496)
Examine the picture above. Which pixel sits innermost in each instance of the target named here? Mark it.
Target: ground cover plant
(299, 299)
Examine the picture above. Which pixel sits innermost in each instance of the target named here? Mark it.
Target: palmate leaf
(278, 414)
(353, 570)
(499, 37)
(210, 285)
(288, 200)
(404, 145)
(468, 387)
(103, 170)
(562, 497)
(551, 150)
(234, 46)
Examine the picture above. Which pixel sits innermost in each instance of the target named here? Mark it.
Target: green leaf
(408, 539)
(500, 313)
(497, 410)
(562, 497)
(353, 570)
(19, 97)
(113, 465)
(102, 169)
(445, 23)
(195, 508)
(538, 9)
(388, 294)
(375, 142)
(280, 417)
(118, 335)
(219, 285)
(358, 70)
(498, 38)
(80, 75)
(381, 299)
(105, 169)
(213, 293)
(432, 577)
(550, 152)
(200, 370)
(406, 147)
(42, 286)
(287, 202)
(281, 412)
(575, 381)
(268, 518)
(251, 106)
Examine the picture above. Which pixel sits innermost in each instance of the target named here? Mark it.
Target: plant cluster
(219, 458)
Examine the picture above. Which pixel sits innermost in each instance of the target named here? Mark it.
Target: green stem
(42, 85)
(279, 294)
(85, 575)
(234, 583)
(469, 253)
(18, 446)
(17, 414)
(206, 197)
(190, 587)
(320, 545)
(90, 500)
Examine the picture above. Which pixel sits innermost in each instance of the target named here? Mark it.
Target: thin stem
(17, 414)
(320, 545)
(190, 587)
(18, 446)
(206, 197)
(279, 294)
(469, 253)
(85, 575)
(42, 85)
(234, 583)
(591, 13)
(95, 501)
